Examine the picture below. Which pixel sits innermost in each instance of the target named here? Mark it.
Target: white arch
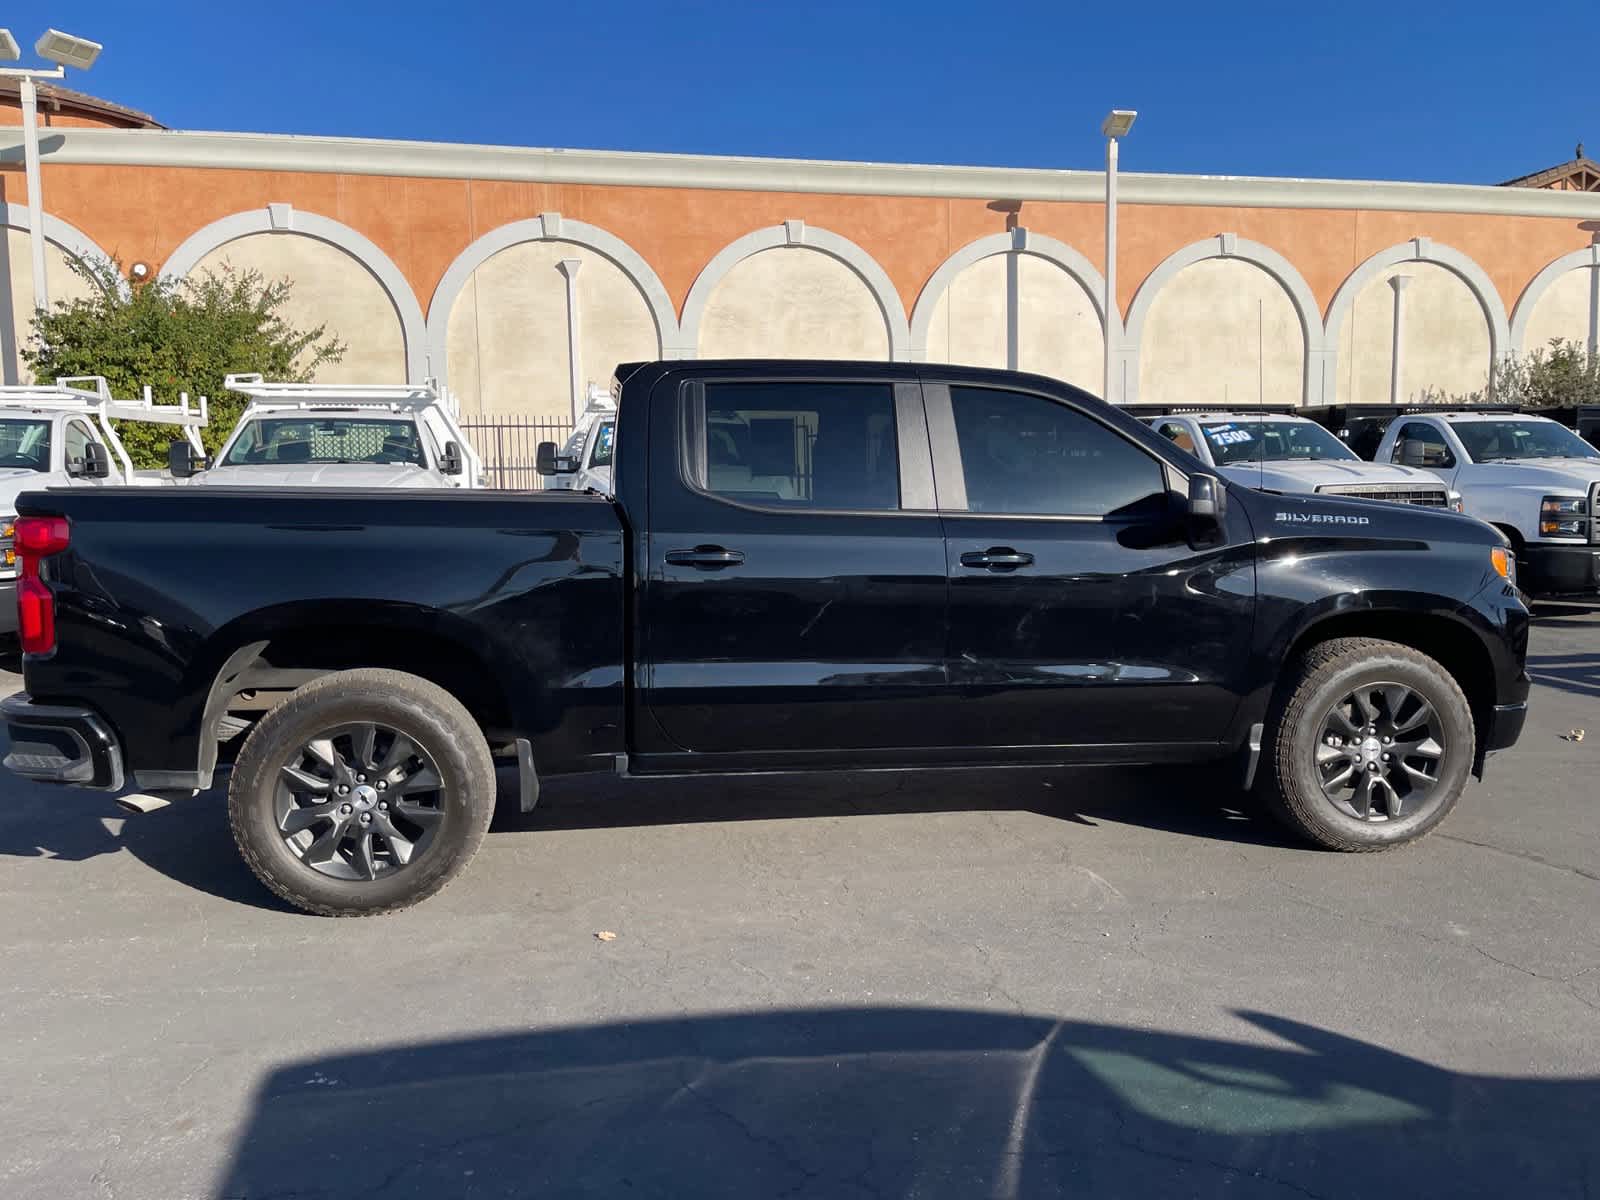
(71, 240)
(74, 241)
(798, 233)
(285, 218)
(1419, 249)
(1541, 283)
(1023, 241)
(555, 228)
(1226, 245)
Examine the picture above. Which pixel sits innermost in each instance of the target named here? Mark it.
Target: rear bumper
(1545, 570)
(60, 744)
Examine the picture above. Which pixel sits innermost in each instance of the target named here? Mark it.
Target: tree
(177, 336)
(1564, 374)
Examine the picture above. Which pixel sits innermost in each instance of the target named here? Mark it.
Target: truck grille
(1399, 493)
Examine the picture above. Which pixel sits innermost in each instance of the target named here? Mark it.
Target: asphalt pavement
(985, 984)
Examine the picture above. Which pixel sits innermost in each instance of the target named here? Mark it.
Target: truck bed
(521, 595)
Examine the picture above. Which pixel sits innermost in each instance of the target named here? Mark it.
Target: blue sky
(1463, 92)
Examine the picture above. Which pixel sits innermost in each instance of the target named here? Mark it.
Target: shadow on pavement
(191, 843)
(1575, 673)
(906, 1102)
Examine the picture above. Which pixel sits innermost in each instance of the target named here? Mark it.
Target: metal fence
(508, 444)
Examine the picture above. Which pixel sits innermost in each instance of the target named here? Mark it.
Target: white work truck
(584, 461)
(62, 436)
(1532, 478)
(1277, 452)
(338, 436)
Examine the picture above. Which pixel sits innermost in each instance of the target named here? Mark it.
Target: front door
(1079, 614)
(1428, 447)
(795, 598)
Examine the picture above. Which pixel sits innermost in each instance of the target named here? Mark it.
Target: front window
(1499, 441)
(25, 445)
(1272, 441)
(1026, 454)
(601, 457)
(293, 441)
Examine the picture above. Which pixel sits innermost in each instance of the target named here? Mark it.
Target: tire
(1298, 755)
(317, 736)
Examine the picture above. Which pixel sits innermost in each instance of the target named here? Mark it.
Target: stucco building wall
(1276, 289)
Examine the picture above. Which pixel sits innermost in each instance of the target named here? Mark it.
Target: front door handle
(710, 558)
(997, 558)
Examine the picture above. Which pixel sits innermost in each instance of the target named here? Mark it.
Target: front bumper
(1550, 570)
(1504, 726)
(60, 744)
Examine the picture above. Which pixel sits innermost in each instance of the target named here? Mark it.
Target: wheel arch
(285, 646)
(1450, 642)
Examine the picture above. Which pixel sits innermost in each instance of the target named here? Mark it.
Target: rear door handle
(709, 558)
(997, 558)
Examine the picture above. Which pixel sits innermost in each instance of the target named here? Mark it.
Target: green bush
(1564, 374)
(177, 336)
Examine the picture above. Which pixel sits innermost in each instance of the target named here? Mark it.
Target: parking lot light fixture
(1116, 125)
(65, 51)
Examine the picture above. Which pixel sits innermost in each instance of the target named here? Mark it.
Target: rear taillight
(35, 539)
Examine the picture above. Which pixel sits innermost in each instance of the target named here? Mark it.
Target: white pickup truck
(584, 461)
(328, 435)
(1530, 477)
(62, 436)
(1276, 452)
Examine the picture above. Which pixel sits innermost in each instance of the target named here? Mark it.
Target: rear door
(1079, 614)
(794, 603)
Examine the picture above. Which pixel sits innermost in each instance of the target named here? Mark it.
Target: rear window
(284, 441)
(818, 445)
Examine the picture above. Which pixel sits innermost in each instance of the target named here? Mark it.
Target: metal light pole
(1116, 125)
(65, 51)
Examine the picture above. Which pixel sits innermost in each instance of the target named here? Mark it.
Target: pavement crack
(1525, 855)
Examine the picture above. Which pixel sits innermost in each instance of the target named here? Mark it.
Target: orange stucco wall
(142, 214)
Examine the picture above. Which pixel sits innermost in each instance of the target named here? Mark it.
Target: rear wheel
(362, 793)
(1371, 748)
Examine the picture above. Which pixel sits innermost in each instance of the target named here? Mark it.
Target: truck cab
(584, 461)
(1278, 452)
(315, 435)
(1532, 478)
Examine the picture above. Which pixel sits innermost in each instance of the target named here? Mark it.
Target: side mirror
(1413, 453)
(547, 462)
(450, 460)
(1208, 500)
(182, 461)
(96, 462)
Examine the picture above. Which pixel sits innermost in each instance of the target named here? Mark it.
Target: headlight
(1564, 516)
(1456, 503)
(8, 534)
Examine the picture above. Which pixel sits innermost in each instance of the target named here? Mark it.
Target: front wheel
(1370, 749)
(364, 792)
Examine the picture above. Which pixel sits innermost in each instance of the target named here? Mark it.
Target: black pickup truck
(805, 566)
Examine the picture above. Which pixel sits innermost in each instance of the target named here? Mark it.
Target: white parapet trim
(365, 156)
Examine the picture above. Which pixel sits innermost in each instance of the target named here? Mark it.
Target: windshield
(25, 444)
(601, 456)
(1272, 441)
(1487, 441)
(283, 441)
